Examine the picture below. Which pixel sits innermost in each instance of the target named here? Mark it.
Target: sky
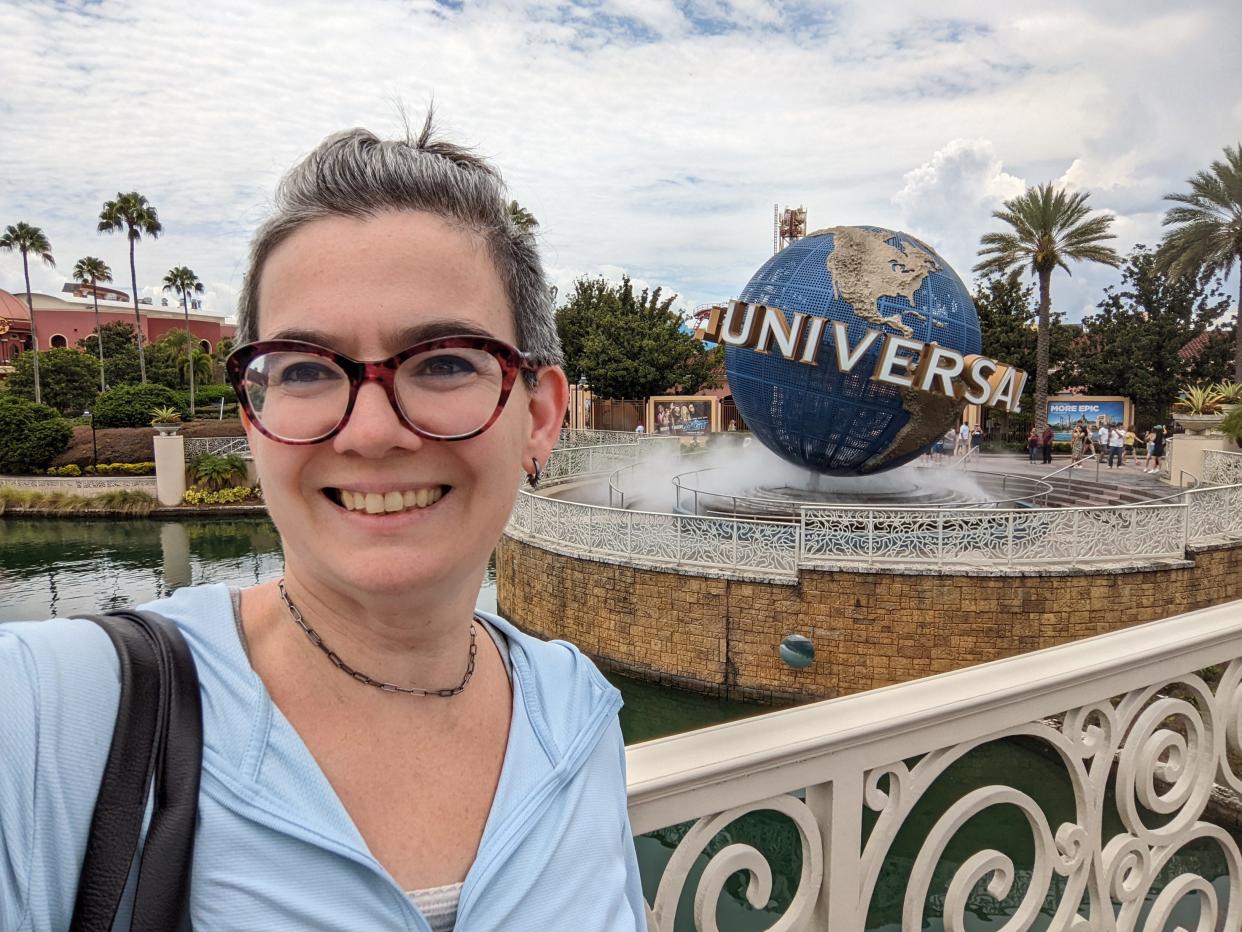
(649, 138)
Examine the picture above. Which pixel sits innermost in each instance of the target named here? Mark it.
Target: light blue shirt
(275, 848)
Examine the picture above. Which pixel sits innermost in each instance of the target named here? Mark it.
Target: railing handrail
(1057, 472)
(802, 506)
(784, 751)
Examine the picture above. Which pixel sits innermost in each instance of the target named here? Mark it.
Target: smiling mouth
(380, 503)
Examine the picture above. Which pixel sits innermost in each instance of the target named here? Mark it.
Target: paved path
(1128, 476)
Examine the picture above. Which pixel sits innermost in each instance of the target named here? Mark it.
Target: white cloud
(647, 135)
(948, 199)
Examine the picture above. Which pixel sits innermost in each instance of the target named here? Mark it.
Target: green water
(63, 567)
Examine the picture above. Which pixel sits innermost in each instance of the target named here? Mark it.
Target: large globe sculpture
(869, 279)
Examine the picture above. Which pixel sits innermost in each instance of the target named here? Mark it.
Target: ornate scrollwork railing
(824, 538)
(218, 446)
(1138, 726)
(1222, 467)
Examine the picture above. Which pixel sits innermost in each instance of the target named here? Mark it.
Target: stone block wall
(870, 629)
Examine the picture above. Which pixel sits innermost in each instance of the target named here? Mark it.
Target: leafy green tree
(131, 405)
(629, 345)
(132, 213)
(1009, 325)
(1051, 227)
(119, 345)
(92, 270)
(27, 239)
(69, 378)
(31, 435)
(1131, 345)
(183, 281)
(1207, 231)
(522, 218)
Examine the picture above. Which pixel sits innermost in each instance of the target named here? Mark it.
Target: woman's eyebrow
(399, 340)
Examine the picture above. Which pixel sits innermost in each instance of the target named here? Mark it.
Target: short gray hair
(356, 174)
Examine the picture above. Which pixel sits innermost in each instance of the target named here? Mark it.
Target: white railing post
(837, 808)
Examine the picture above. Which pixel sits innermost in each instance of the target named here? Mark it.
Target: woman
(377, 754)
(1032, 445)
(1157, 448)
(1078, 445)
(1150, 440)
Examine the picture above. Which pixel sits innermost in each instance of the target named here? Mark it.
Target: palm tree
(27, 239)
(182, 280)
(90, 269)
(1208, 234)
(132, 213)
(521, 218)
(1051, 226)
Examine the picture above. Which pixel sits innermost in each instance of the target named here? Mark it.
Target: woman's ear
(548, 401)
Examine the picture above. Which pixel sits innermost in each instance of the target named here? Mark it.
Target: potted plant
(1199, 408)
(1231, 426)
(165, 420)
(1230, 395)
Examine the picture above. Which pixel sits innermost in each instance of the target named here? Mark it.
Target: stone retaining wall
(870, 629)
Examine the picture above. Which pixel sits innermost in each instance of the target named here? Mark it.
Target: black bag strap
(158, 738)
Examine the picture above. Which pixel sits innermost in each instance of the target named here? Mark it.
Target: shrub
(122, 501)
(70, 470)
(131, 405)
(31, 435)
(211, 394)
(69, 379)
(124, 469)
(216, 472)
(231, 496)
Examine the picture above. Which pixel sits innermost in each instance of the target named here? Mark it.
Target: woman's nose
(374, 426)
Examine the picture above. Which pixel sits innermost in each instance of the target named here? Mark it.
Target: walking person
(962, 445)
(1149, 440)
(1032, 445)
(1045, 442)
(376, 752)
(1079, 440)
(1158, 447)
(1116, 446)
(1130, 440)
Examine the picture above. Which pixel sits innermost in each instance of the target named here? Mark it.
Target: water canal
(63, 567)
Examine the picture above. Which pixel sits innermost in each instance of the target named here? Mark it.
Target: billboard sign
(1065, 413)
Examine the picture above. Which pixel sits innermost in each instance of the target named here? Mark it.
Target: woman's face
(369, 288)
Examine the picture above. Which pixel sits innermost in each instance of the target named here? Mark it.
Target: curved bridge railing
(930, 538)
(1135, 728)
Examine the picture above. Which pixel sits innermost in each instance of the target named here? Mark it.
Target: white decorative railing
(993, 536)
(1138, 726)
(79, 485)
(1222, 467)
(871, 537)
(217, 446)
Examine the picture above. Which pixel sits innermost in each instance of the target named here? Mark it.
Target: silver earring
(532, 479)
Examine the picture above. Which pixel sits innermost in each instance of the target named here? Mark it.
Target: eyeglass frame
(512, 360)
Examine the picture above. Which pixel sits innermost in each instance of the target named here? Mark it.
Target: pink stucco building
(63, 319)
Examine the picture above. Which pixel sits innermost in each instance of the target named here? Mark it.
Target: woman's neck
(409, 639)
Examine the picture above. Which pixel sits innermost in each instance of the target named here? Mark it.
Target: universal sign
(902, 362)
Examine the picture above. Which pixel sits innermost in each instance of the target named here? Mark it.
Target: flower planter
(167, 430)
(1198, 423)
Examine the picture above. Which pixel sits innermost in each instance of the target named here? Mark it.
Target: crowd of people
(1119, 445)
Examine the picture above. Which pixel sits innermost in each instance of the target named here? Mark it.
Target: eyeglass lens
(444, 392)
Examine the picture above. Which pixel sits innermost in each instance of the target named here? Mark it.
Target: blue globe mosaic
(868, 278)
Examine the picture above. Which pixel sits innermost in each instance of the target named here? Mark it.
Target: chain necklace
(362, 677)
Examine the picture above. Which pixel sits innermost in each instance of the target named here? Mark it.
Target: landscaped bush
(131, 405)
(123, 501)
(215, 472)
(117, 469)
(30, 435)
(232, 496)
(70, 470)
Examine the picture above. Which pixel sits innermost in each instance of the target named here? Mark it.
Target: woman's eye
(445, 366)
(307, 372)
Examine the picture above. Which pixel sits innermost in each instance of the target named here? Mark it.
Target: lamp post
(94, 449)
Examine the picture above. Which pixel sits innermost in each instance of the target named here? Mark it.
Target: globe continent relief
(868, 278)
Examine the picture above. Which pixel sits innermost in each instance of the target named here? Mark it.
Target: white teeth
(381, 502)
